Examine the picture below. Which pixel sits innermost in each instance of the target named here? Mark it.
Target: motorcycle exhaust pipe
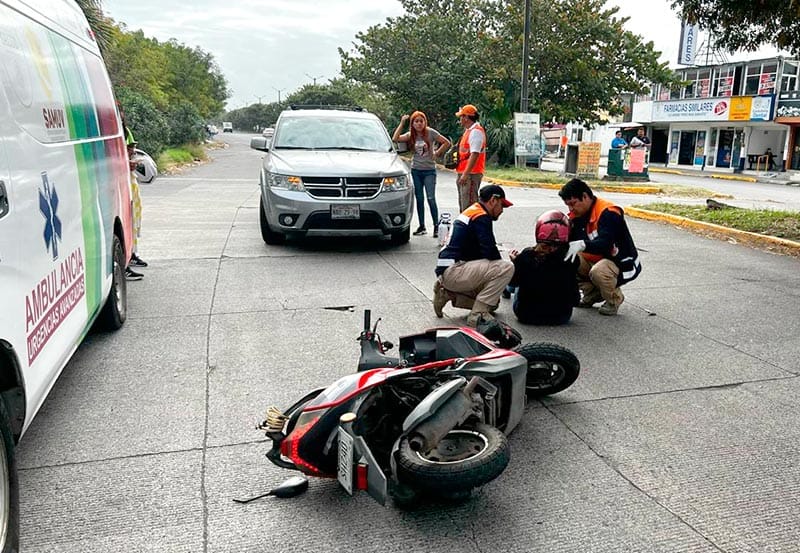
(429, 433)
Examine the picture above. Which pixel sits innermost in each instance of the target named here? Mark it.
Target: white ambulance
(65, 214)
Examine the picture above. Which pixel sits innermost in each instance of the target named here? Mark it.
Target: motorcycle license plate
(345, 211)
(345, 468)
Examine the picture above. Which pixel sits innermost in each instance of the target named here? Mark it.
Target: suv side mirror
(260, 143)
(401, 147)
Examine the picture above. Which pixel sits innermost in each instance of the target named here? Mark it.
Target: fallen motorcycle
(430, 422)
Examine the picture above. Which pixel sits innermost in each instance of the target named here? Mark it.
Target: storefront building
(788, 113)
(725, 117)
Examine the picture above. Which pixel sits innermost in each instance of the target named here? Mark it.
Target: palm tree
(98, 22)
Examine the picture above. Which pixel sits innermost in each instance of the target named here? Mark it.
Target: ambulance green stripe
(76, 103)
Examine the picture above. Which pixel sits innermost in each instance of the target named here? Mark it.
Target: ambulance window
(105, 106)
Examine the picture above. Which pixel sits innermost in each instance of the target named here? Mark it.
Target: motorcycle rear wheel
(465, 458)
(551, 368)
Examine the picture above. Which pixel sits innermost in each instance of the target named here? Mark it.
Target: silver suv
(332, 172)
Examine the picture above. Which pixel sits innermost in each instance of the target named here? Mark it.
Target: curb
(742, 235)
(551, 186)
(701, 175)
(726, 177)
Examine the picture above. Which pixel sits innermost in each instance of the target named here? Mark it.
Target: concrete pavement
(681, 435)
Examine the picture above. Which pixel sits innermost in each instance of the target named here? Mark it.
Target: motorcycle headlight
(396, 184)
(287, 182)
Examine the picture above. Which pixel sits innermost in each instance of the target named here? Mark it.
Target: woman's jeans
(425, 187)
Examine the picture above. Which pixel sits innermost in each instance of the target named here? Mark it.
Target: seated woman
(546, 286)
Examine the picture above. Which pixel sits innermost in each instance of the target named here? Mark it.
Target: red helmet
(552, 227)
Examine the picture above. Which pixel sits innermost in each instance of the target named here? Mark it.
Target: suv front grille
(321, 221)
(347, 187)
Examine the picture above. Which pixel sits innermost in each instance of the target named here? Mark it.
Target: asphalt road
(680, 435)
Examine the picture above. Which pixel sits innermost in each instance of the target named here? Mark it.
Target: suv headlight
(287, 182)
(396, 184)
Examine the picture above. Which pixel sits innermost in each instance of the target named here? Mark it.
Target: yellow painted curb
(552, 186)
(630, 189)
(734, 177)
(520, 184)
(741, 235)
(670, 171)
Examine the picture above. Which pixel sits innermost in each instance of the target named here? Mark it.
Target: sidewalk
(771, 177)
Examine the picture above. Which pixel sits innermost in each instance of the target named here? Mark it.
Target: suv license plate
(345, 211)
(344, 472)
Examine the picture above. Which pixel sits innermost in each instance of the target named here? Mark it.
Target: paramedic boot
(440, 298)
(480, 312)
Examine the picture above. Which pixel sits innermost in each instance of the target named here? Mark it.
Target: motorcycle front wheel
(551, 368)
(465, 458)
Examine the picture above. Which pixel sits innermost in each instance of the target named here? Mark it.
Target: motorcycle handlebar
(367, 317)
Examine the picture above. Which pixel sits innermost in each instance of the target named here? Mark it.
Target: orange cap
(469, 109)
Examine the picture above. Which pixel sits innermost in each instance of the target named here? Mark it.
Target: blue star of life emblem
(48, 205)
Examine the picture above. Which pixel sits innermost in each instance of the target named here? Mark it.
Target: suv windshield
(332, 133)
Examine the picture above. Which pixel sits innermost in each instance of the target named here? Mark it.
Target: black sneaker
(420, 231)
(132, 275)
(436, 233)
(136, 261)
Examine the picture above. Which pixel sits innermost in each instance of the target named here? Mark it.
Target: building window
(703, 88)
(789, 77)
(760, 78)
(752, 79)
(723, 82)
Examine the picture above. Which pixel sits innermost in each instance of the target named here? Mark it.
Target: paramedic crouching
(600, 237)
(470, 272)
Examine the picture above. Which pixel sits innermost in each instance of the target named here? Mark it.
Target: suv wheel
(270, 237)
(401, 237)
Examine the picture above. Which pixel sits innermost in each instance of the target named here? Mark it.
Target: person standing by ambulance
(471, 156)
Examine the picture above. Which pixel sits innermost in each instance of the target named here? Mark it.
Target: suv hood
(334, 163)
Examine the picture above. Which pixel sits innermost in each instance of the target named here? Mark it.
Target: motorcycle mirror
(291, 487)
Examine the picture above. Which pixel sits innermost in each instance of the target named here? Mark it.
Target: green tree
(746, 24)
(101, 26)
(191, 75)
(442, 54)
(186, 124)
(178, 83)
(586, 62)
(432, 58)
(147, 123)
(137, 63)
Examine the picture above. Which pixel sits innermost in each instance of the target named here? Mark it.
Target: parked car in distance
(227, 126)
(332, 172)
(268, 132)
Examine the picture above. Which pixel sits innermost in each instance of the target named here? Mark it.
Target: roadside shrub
(145, 121)
(186, 124)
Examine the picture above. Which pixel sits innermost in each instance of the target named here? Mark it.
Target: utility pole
(279, 90)
(523, 101)
(259, 98)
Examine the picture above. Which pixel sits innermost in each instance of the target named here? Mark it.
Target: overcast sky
(280, 45)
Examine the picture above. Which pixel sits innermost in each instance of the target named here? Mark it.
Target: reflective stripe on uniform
(630, 274)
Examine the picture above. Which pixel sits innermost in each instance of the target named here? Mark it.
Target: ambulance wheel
(115, 310)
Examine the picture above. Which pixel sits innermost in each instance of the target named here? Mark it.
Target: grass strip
(768, 222)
